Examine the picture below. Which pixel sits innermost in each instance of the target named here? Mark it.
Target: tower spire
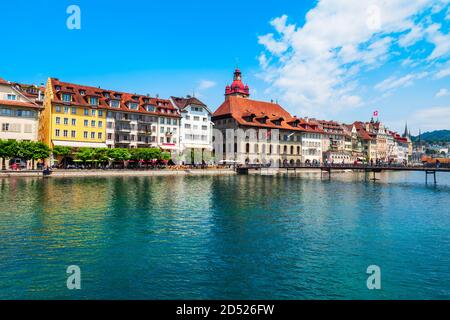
(237, 88)
(405, 134)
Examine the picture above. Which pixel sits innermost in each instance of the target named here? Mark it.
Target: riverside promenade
(117, 172)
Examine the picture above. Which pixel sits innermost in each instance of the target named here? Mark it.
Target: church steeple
(237, 88)
(406, 133)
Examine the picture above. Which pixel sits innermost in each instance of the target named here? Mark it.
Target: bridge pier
(427, 172)
(328, 170)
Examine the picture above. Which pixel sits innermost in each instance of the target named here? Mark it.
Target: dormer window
(135, 97)
(114, 103)
(150, 108)
(106, 95)
(133, 105)
(66, 97)
(57, 88)
(11, 97)
(82, 92)
(262, 119)
(93, 101)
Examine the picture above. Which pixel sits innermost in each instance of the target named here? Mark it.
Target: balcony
(123, 129)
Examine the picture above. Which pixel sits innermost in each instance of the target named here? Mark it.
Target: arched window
(247, 147)
(285, 150)
(292, 149)
(256, 148)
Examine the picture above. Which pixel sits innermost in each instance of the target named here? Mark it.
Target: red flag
(375, 113)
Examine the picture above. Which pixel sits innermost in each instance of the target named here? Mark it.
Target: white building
(19, 111)
(195, 129)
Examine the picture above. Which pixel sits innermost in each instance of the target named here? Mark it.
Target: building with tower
(258, 132)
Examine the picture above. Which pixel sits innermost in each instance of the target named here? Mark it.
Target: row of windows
(292, 150)
(132, 137)
(196, 137)
(16, 127)
(195, 127)
(17, 113)
(74, 122)
(163, 130)
(196, 118)
(73, 110)
(168, 121)
(73, 134)
(67, 97)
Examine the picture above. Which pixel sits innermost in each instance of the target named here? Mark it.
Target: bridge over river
(328, 168)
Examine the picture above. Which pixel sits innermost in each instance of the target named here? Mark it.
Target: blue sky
(334, 59)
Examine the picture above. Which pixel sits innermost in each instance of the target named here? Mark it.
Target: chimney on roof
(271, 100)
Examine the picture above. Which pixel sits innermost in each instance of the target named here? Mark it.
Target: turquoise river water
(225, 237)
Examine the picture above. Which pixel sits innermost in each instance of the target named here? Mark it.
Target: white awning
(78, 144)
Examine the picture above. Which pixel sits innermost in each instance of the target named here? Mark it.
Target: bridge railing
(349, 166)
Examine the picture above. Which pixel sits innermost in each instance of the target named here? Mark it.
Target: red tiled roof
(249, 112)
(361, 130)
(19, 104)
(3, 81)
(182, 103)
(162, 106)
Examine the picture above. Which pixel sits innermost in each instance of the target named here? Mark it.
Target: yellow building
(72, 116)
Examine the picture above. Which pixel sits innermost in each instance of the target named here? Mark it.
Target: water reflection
(225, 237)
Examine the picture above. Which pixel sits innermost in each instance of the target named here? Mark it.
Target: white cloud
(440, 40)
(442, 93)
(443, 73)
(206, 84)
(415, 34)
(316, 67)
(436, 118)
(392, 82)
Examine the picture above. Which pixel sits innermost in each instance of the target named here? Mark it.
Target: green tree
(119, 154)
(63, 152)
(85, 154)
(8, 149)
(101, 155)
(154, 154)
(165, 156)
(40, 151)
(137, 154)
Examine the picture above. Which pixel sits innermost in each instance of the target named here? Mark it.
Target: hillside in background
(434, 136)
